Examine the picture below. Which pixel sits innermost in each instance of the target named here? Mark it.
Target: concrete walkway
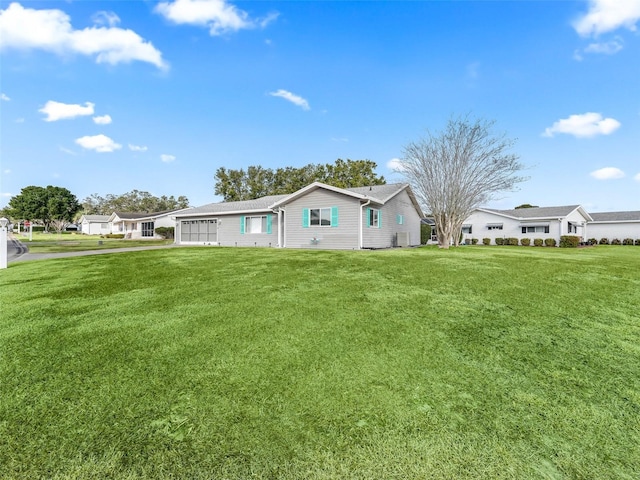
(19, 252)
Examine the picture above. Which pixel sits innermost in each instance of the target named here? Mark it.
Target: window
(400, 219)
(536, 229)
(373, 218)
(494, 227)
(147, 229)
(320, 217)
(467, 229)
(572, 227)
(257, 224)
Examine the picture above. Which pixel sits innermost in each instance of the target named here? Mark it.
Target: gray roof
(537, 212)
(97, 218)
(379, 192)
(261, 203)
(632, 216)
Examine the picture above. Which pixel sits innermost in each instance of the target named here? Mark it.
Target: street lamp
(3, 242)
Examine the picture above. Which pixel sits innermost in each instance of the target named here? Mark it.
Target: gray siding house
(317, 216)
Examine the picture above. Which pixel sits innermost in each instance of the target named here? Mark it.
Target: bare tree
(457, 170)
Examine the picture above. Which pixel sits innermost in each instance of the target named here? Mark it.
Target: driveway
(19, 252)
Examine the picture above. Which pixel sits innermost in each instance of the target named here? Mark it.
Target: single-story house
(142, 225)
(95, 224)
(316, 216)
(615, 225)
(538, 222)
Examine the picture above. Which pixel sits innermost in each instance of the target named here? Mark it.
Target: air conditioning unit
(402, 239)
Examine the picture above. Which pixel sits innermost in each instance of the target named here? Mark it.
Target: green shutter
(368, 217)
(379, 218)
(269, 223)
(334, 216)
(305, 218)
(242, 225)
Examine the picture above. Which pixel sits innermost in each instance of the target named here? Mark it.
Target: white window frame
(260, 226)
(324, 214)
(145, 230)
(374, 218)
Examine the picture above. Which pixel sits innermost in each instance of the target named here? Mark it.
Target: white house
(95, 224)
(531, 223)
(615, 225)
(142, 225)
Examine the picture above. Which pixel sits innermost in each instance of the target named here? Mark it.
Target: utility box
(402, 239)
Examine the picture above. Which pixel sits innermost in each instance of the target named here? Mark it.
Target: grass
(58, 243)
(498, 362)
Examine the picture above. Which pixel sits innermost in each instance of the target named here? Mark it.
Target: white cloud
(167, 158)
(106, 18)
(395, 164)
(20, 120)
(59, 111)
(473, 70)
(103, 120)
(137, 148)
(607, 173)
(608, 15)
(607, 48)
(584, 125)
(99, 143)
(51, 30)
(7, 194)
(637, 177)
(7, 171)
(291, 97)
(4, 97)
(67, 151)
(218, 16)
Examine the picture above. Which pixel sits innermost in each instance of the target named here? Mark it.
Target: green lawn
(203, 363)
(56, 243)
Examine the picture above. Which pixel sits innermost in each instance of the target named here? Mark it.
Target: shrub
(550, 242)
(627, 241)
(637, 241)
(474, 241)
(569, 241)
(604, 241)
(525, 242)
(112, 235)
(512, 241)
(615, 241)
(425, 233)
(538, 242)
(486, 241)
(499, 241)
(166, 232)
(592, 241)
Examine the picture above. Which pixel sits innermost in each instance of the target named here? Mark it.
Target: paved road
(19, 252)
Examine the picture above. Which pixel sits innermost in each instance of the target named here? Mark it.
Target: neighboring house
(316, 216)
(612, 225)
(538, 222)
(95, 224)
(142, 225)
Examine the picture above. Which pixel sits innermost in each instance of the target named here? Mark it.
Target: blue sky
(107, 97)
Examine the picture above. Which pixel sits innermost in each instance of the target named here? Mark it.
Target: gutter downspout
(360, 226)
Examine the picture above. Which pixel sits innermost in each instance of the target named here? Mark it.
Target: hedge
(550, 242)
(525, 242)
(569, 241)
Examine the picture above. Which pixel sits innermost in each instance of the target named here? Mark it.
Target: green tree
(234, 185)
(134, 201)
(526, 205)
(49, 205)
